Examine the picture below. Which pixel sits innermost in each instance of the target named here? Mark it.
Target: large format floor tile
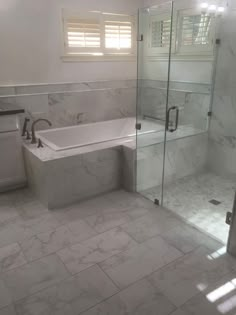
(218, 298)
(71, 296)
(187, 238)
(34, 277)
(8, 310)
(151, 225)
(11, 256)
(184, 278)
(149, 261)
(19, 229)
(126, 204)
(5, 295)
(139, 299)
(47, 243)
(139, 261)
(95, 250)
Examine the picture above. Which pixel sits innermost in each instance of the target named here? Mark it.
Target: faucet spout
(33, 128)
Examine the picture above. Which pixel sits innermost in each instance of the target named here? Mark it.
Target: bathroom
(118, 150)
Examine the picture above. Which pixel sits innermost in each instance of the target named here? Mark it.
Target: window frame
(162, 51)
(92, 54)
(194, 50)
(177, 52)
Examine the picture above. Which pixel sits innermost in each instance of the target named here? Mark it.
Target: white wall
(30, 40)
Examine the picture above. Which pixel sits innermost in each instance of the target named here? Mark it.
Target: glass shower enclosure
(176, 59)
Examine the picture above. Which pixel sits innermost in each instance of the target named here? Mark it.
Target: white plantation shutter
(160, 32)
(99, 34)
(83, 36)
(160, 36)
(118, 35)
(196, 33)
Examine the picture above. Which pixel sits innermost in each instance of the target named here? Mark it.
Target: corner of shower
(175, 89)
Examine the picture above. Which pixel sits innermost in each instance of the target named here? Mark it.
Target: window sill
(68, 58)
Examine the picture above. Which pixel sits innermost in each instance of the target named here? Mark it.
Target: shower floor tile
(202, 199)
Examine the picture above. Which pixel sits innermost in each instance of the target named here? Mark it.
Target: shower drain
(215, 202)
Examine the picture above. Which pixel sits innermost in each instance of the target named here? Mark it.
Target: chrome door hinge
(140, 38)
(228, 218)
(209, 114)
(138, 126)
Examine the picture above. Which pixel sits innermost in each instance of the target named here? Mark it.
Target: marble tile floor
(117, 254)
(189, 198)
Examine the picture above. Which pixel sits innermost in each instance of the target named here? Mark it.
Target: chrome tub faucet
(34, 140)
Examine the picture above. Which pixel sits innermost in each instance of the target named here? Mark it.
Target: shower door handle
(168, 128)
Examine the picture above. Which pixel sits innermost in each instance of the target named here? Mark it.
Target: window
(196, 33)
(192, 34)
(98, 35)
(160, 30)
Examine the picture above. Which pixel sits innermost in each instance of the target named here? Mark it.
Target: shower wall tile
(222, 133)
(193, 106)
(184, 157)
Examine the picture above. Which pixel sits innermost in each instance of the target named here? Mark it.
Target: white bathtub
(83, 135)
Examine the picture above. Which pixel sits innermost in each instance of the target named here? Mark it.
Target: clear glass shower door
(154, 38)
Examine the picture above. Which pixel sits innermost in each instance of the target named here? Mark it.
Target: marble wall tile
(69, 104)
(7, 90)
(129, 168)
(193, 104)
(91, 106)
(184, 157)
(11, 256)
(139, 261)
(222, 133)
(79, 177)
(34, 277)
(140, 298)
(70, 297)
(7, 101)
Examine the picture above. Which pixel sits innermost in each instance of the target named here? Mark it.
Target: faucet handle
(27, 135)
(24, 130)
(40, 144)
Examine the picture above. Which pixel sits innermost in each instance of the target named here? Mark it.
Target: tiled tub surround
(74, 103)
(66, 176)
